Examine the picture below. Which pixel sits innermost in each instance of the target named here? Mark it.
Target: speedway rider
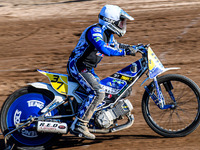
(95, 42)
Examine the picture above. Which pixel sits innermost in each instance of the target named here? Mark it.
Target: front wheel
(181, 119)
(18, 107)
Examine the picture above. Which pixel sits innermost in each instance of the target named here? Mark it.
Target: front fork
(159, 99)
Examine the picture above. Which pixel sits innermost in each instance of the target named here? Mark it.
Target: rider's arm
(95, 36)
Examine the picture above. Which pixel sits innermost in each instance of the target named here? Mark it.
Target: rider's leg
(97, 94)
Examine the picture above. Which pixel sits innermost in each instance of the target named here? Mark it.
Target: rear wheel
(18, 107)
(179, 120)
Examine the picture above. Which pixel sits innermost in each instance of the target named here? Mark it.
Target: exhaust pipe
(52, 127)
(128, 124)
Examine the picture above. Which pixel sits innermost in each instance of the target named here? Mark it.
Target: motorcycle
(39, 113)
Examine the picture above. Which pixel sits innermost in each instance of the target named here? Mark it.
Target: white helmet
(114, 18)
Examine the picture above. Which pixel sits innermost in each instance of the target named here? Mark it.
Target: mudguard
(41, 85)
(57, 97)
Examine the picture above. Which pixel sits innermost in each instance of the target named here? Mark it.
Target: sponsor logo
(17, 116)
(97, 29)
(30, 134)
(97, 34)
(35, 103)
(125, 107)
(109, 96)
(98, 39)
(118, 81)
(126, 78)
(61, 127)
(108, 20)
(48, 126)
(110, 90)
(43, 124)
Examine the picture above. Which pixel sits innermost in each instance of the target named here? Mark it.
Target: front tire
(177, 121)
(18, 107)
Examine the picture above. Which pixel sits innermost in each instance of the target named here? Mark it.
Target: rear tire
(181, 120)
(21, 105)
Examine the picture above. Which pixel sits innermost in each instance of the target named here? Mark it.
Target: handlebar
(140, 48)
(140, 51)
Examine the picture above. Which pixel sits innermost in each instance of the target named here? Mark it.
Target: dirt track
(41, 35)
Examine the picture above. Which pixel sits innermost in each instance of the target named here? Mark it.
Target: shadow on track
(72, 141)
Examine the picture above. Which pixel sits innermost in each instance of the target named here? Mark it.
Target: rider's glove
(130, 50)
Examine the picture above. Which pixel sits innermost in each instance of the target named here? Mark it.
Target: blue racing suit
(94, 43)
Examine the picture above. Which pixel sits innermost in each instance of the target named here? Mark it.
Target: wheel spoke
(184, 117)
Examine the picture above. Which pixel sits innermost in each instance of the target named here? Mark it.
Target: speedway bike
(40, 113)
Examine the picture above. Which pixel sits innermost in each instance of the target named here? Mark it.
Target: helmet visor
(121, 24)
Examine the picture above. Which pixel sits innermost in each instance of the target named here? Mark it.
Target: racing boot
(80, 129)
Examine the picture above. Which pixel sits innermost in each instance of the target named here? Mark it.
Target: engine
(106, 117)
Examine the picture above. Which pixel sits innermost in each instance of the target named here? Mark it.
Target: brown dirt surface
(41, 35)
